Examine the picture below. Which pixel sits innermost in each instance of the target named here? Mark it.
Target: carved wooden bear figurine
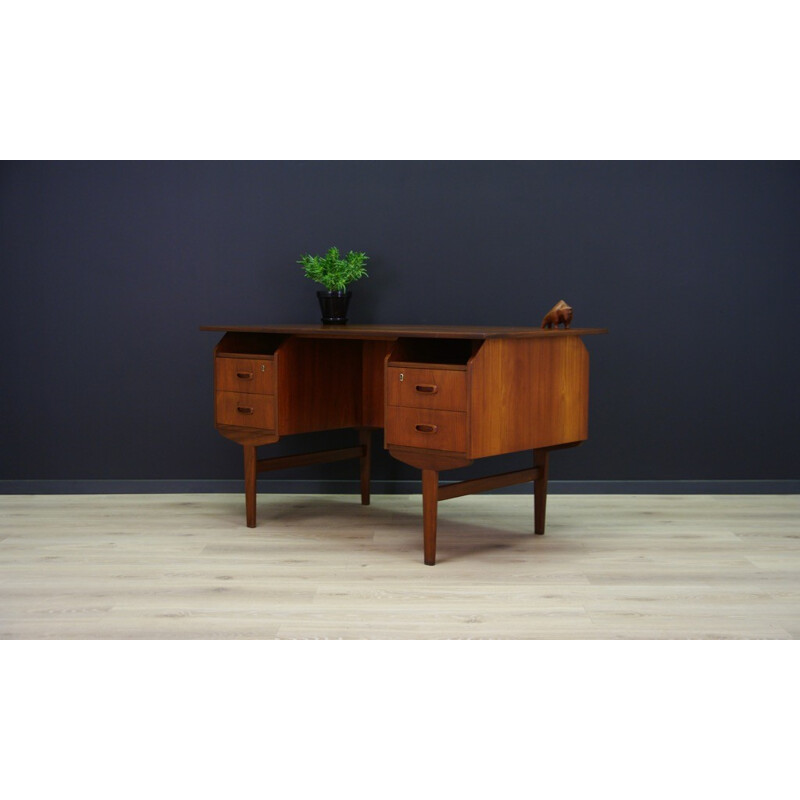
(559, 313)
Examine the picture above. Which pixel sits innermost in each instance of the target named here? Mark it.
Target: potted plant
(334, 274)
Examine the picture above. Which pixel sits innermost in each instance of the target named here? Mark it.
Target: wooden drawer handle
(427, 388)
(244, 409)
(247, 376)
(427, 428)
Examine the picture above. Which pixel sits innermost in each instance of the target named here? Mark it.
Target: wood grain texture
(246, 410)
(304, 459)
(318, 385)
(247, 435)
(541, 461)
(428, 459)
(324, 566)
(395, 331)
(430, 503)
(431, 429)
(373, 356)
(251, 375)
(527, 394)
(498, 481)
(233, 348)
(250, 473)
(427, 388)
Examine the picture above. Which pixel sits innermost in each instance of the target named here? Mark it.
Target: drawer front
(251, 375)
(423, 427)
(246, 410)
(427, 388)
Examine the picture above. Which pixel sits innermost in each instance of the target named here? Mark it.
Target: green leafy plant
(332, 272)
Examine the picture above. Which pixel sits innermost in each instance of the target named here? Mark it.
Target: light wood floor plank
(609, 567)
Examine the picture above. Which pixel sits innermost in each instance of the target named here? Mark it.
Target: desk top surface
(414, 331)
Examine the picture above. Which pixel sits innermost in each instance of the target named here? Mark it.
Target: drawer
(424, 427)
(251, 375)
(427, 388)
(246, 410)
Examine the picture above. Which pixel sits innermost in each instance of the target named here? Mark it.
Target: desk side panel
(528, 393)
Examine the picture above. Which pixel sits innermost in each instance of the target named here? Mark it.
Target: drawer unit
(245, 410)
(419, 387)
(431, 429)
(252, 375)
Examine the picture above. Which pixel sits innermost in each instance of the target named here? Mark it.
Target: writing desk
(444, 396)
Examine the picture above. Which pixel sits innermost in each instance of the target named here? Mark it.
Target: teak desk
(443, 395)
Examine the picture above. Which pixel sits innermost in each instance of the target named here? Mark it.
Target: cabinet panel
(528, 393)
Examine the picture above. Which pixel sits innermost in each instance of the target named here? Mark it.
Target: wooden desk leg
(365, 439)
(250, 484)
(430, 501)
(541, 459)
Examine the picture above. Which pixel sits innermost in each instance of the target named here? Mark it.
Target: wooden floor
(609, 567)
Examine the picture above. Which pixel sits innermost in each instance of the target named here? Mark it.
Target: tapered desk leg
(365, 439)
(430, 500)
(250, 484)
(541, 459)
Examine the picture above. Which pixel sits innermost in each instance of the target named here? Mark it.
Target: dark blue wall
(108, 269)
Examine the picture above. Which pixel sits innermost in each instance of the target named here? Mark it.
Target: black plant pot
(334, 307)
